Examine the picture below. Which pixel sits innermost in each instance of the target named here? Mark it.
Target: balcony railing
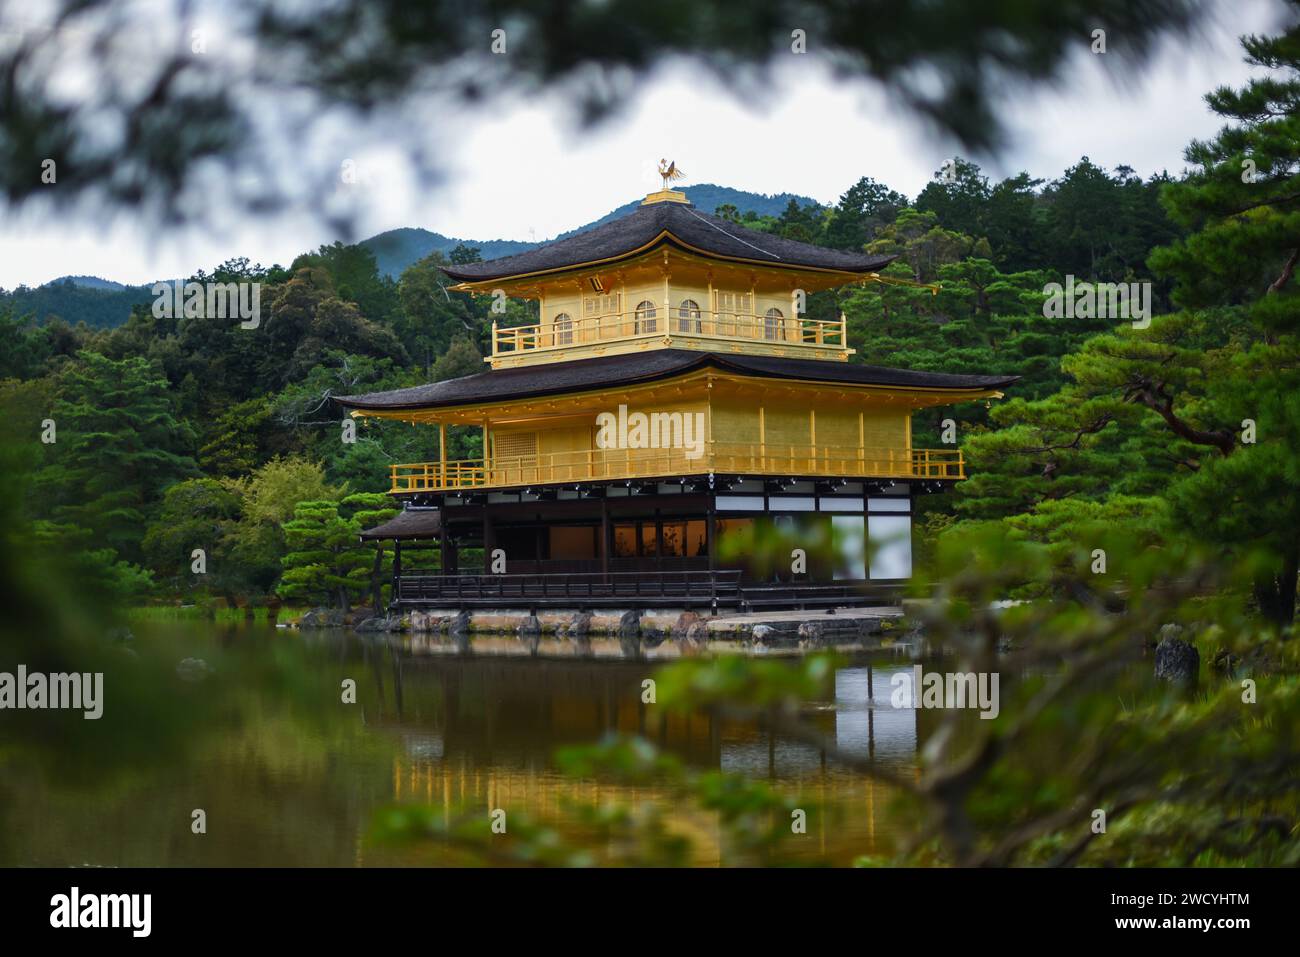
(733, 458)
(777, 331)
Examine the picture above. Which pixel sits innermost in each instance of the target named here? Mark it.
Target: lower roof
(633, 368)
(411, 523)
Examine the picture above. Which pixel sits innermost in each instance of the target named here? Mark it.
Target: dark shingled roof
(630, 234)
(411, 523)
(632, 368)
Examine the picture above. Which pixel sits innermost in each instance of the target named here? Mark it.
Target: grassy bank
(207, 612)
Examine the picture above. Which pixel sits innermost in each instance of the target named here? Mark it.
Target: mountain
(103, 303)
(100, 303)
(398, 248)
(88, 282)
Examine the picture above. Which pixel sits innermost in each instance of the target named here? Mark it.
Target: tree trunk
(1276, 593)
(376, 584)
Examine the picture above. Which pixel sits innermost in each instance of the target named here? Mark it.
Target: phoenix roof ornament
(669, 171)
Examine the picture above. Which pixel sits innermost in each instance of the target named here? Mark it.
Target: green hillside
(105, 304)
(99, 303)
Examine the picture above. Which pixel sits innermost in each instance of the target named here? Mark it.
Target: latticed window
(646, 317)
(772, 323)
(515, 448)
(563, 329)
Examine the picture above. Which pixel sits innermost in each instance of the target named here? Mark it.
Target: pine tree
(1203, 406)
(117, 446)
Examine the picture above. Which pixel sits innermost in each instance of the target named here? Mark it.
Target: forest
(1136, 487)
(169, 432)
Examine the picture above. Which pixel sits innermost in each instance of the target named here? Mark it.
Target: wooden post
(604, 539)
(668, 307)
(812, 434)
(862, 445)
(442, 454)
(708, 421)
(397, 570)
(710, 537)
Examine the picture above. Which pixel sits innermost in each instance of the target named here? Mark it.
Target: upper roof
(632, 368)
(673, 223)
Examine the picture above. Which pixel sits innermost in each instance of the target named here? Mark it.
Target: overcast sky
(524, 171)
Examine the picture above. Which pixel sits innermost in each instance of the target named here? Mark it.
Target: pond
(288, 774)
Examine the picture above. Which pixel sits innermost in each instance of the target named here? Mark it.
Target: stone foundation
(686, 631)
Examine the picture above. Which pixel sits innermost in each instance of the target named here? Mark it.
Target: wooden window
(515, 448)
(563, 329)
(646, 317)
(731, 306)
(772, 323)
(600, 312)
(648, 540)
(688, 316)
(625, 540)
(697, 540)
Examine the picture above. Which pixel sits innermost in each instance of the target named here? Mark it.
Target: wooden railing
(733, 458)
(690, 588)
(794, 331)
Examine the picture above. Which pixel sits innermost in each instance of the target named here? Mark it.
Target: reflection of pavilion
(482, 732)
(523, 708)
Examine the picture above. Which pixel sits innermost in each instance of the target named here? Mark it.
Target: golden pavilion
(673, 396)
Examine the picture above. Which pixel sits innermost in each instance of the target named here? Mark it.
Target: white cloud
(524, 171)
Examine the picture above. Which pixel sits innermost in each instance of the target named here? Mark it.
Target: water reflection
(291, 784)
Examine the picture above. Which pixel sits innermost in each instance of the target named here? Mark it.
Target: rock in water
(1176, 660)
(193, 669)
(697, 638)
(377, 624)
(576, 628)
(683, 625)
(652, 636)
(811, 635)
(530, 633)
(629, 634)
(322, 618)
